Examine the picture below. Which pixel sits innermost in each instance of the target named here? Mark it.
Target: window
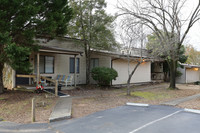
(46, 64)
(94, 62)
(72, 65)
(49, 64)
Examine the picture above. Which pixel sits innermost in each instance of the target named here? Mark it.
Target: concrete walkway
(62, 109)
(180, 100)
(10, 127)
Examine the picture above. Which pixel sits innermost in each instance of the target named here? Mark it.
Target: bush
(197, 83)
(178, 74)
(104, 75)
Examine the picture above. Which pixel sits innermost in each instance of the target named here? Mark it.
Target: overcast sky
(193, 37)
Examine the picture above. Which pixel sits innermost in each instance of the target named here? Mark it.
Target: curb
(65, 96)
(192, 111)
(137, 104)
(59, 119)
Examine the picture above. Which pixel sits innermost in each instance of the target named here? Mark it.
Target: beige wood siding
(192, 75)
(62, 66)
(142, 74)
(62, 62)
(182, 78)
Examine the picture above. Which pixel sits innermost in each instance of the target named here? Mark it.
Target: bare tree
(132, 35)
(165, 19)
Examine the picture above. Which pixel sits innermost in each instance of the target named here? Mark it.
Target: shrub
(197, 83)
(104, 75)
(178, 74)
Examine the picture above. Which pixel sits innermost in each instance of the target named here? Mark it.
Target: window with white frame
(72, 65)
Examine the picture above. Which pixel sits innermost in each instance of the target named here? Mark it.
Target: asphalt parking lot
(134, 119)
(123, 119)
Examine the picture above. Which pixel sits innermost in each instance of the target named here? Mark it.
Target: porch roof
(58, 50)
(190, 65)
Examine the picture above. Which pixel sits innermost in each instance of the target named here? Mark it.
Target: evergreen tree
(21, 21)
(92, 25)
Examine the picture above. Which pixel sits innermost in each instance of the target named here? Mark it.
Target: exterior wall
(157, 71)
(182, 78)
(62, 62)
(62, 67)
(7, 77)
(192, 75)
(142, 73)
(104, 61)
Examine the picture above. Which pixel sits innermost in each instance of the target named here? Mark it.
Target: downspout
(75, 65)
(112, 65)
(185, 74)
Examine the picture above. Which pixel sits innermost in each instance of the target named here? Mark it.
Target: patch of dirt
(188, 86)
(87, 101)
(15, 106)
(192, 104)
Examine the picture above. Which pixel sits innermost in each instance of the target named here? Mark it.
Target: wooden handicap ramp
(62, 109)
(52, 91)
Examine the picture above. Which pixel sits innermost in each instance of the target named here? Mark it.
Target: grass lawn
(15, 106)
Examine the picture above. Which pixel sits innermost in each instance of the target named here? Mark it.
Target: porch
(46, 69)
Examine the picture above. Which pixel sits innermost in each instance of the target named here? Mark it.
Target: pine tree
(21, 21)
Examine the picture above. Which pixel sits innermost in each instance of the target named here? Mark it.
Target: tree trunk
(172, 75)
(1, 78)
(87, 70)
(129, 78)
(87, 54)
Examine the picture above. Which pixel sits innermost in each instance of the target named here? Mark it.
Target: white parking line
(152, 122)
(192, 110)
(138, 104)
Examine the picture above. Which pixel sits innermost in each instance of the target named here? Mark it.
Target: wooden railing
(54, 81)
(42, 77)
(26, 76)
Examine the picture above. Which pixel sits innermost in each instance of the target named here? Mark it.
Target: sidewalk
(180, 100)
(11, 127)
(62, 110)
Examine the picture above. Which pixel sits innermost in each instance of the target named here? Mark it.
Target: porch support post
(30, 77)
(75, 70)
(56, 88)
(38, 68)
